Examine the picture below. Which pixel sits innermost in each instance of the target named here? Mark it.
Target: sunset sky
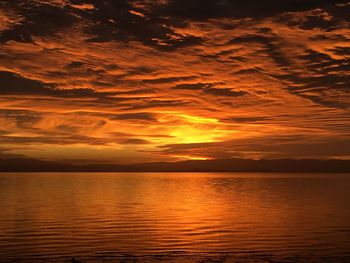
(116, 81)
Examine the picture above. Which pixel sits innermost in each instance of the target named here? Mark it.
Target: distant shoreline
(175, 172)
(178, 172)
(193, 166)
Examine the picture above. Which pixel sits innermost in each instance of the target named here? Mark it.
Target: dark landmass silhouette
(217, 165)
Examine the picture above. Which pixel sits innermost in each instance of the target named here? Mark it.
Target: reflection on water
(56, 215)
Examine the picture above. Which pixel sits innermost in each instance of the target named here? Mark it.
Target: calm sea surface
(55, 216)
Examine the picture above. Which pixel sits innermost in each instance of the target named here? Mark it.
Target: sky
(106, 81)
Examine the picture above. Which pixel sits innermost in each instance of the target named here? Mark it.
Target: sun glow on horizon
(188, 157)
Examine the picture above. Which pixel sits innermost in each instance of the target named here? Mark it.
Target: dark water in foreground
(100, 216)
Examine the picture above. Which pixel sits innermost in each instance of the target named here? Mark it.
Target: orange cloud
(144, 86)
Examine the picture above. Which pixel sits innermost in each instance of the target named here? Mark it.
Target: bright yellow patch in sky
(188, 157)
(187, 128)
(197, 119)
(192, 134)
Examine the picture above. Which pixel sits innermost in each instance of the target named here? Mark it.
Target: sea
(174, 217)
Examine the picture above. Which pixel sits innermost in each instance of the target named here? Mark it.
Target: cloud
(168, 80)
(36, 20)
(21, 118)
(118, 21)
(163, 79)
(248, 119)
(135, 116)
(297, 147)
(14, 84)
(133, 141)
(223, 92)
(196, 9)
(6, 154)
(210, 89)
(186, 86)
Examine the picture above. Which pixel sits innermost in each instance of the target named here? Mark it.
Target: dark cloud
(327, 78)
(168, 80)
(250, 71)
(14, 84)
(38, 19)
(270, 146)
(153, 103)
(22, 118)
(133, 141)
(316, 19)
(345, 51)
(114, 20)
(75, 64)
(5, 153)
(271, 44)
(2, 132)
(55, 140)
(107, 21)
(196, 86)
(143, 116)
(141, 70)
(223, 92)
(135, 92)
(205, 9)
(210, 89)
(250, 39)
(248, 119)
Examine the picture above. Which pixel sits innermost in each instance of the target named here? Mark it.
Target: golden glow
(187, 128)
(188, 157)
(194, 119)
(193, 134)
